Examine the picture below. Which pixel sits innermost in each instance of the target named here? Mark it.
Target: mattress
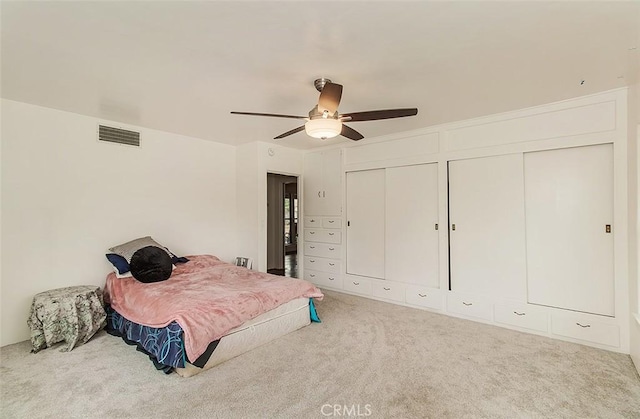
(263, 329)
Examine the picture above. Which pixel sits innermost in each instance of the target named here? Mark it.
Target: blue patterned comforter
(165, 344)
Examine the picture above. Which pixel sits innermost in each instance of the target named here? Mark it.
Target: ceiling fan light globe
(323, 128)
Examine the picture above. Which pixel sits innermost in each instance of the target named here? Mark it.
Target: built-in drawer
(322, 250)
(521, 316)
(322, 264)
(586, 329)
(323, 236)
(424, 297)
(332, 222)
(357, 285)
(313, 222)
(388, 290)
(471, 306)
(323, 279)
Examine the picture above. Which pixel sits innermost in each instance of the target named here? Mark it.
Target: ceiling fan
(324, 121)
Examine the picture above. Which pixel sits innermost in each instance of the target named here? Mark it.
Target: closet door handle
(319, 194)
(453, 227)
(583, 325)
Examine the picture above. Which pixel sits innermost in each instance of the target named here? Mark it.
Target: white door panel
(487, 246)
(411, 248)
(365, 223)
(569, 202)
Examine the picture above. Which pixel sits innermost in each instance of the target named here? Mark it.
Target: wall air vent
(117, 135)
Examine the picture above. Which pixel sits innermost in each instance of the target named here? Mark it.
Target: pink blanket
(207, 297)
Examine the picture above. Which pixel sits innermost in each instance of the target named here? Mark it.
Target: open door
(282, 225)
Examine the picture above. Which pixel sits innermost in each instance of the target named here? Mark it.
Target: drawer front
(313, 222)
(388, 290)
(360, 286)
(424, 297)
(469, 306)
(323, 279)
(586, 329)
(332, 222)
(322, 264)
(323, 236)
(521, 316)
(322, 250)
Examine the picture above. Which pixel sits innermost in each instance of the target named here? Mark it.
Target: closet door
(487, 228)
(411, 242)
(365, 223)
(332, 182)
(569, 203)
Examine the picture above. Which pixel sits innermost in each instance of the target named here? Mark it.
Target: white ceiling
(182, 66)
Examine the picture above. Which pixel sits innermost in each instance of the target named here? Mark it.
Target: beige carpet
(366, 358)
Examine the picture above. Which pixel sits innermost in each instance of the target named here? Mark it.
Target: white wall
(634, 221)
(67, 197)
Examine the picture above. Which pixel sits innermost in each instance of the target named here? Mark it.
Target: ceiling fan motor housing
(319, 83)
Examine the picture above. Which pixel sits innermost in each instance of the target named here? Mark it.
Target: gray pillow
(126, 250)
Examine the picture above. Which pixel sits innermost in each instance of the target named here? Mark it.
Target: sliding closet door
(569, 204)
(487, 229)
(411, 251)
(365, 223)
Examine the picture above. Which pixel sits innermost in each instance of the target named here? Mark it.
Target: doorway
(282, 225)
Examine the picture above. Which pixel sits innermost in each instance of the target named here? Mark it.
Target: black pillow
(151, 264)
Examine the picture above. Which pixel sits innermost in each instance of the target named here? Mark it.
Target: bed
(207, 312)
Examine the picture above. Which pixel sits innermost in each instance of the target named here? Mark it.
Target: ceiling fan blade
(286, 134)
(275, 115)
(350, 133)
(330, 98)
(382, 114)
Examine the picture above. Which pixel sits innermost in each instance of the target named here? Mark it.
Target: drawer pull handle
(331, 234)
(386, 289)
(332, 264)
(330, 221)
(331, 279)
(585, 325)
(312, 247)
(312, 232)
(312, 261)
(519, 314)
(312, 220)
(332, 248)
(422, 295)
(312, 275)
(356, 283)
(467, 304)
